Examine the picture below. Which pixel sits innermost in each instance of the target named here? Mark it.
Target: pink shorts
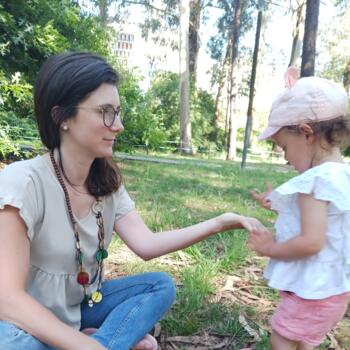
(308, 321)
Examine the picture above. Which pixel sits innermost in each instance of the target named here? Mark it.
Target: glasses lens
(108, 116)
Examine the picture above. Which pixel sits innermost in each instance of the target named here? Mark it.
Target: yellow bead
(96, 297)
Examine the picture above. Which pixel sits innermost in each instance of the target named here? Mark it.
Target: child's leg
(281, 343)
(303, 346)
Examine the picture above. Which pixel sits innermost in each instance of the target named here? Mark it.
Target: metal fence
(209, 151)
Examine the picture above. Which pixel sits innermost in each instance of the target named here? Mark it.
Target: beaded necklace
(83, 277)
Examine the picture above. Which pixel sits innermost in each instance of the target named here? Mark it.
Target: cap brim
(268, 132)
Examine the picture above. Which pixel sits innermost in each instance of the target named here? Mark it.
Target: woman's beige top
(32, 187)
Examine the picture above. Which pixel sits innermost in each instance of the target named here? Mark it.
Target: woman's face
(87, 132)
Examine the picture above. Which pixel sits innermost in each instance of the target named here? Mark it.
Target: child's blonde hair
(336, 132)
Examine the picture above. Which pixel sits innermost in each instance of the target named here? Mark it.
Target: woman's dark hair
(335, 131)
(62, 83)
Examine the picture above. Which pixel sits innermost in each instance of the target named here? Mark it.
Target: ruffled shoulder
(122, 203)
(329, 182)
(17, 189)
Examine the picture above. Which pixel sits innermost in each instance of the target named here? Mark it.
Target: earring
(65, 127)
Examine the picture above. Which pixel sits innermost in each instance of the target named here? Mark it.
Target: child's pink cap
(308, 100)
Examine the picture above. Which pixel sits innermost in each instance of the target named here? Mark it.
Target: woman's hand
(261, 197)
(231, 221)
(261, 242)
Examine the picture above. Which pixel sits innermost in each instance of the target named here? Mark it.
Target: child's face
(296, 147)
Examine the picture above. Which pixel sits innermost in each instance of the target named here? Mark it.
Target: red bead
(83, 278)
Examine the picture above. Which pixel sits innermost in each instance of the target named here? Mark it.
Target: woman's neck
(76, 167)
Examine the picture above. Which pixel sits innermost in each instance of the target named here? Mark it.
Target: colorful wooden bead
(83, 278)
(101, 254)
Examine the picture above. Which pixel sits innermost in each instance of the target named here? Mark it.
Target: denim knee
(167, 283)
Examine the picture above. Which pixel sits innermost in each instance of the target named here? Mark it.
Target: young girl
(57, 215)
(310, 254)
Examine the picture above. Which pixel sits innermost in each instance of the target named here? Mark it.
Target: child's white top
(326, 273)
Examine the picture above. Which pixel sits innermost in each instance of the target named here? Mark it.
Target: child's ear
(305, 129)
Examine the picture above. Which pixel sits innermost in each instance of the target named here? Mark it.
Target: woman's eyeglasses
(109, 114)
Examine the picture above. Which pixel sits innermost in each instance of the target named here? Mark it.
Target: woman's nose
(117, 125)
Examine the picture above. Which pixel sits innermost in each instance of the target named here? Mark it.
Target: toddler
(310, 253)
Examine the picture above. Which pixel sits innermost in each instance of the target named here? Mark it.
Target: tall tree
(310, 35)
(185, 122)
(194, 25)
(249, 124)
(103, 10)
(298, 13)
(226, 49)
(232, 86)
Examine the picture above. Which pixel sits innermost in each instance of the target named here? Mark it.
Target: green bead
(80, 257)
(104, 253)
(101, 254)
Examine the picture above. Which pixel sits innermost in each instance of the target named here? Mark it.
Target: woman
(57, 215)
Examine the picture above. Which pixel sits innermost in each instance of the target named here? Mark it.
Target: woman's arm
(312, 238)
(17, 306)
(148, 245)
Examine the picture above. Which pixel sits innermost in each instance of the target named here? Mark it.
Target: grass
(175, 195)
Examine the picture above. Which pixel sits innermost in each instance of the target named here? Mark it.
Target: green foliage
(164, 92)
(8, 149)
(142, 125)
(202, 113)
(163, 97)
(31, 31)
(15, 95)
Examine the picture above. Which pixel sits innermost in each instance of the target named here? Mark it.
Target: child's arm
(312, 238)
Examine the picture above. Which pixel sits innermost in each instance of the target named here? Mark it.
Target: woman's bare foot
(89, 331)
(147, 343)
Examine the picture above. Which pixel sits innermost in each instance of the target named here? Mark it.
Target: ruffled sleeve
(123, 203)
(17, 189)
(328, 182)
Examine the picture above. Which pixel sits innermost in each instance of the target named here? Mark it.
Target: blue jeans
(131, 306)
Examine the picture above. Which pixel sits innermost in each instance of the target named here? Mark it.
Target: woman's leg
(131, 306)
(14, 338)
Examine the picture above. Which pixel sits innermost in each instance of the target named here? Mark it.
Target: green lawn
(175, 195)
(222, 299)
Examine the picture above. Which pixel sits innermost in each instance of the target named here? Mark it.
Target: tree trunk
(195, 16)
(310, 34)
(346, 77)
(103, 11)
(249, 124)
(296, 44)
(221, 84)
(184, 98)
(232, 86)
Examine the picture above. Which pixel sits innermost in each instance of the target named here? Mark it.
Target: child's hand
(261, 242)
(261, 197)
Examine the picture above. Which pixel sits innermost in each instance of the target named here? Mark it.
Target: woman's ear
(56, 114)
(306, 129)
